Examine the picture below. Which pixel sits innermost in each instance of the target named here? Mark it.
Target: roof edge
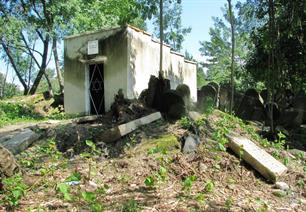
(94, 32)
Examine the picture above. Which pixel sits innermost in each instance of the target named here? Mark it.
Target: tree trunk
(231, 18)
(50, 89)
(57, 65)
(11, 59)
(2, 91)
(272, 62)
(42, 67)
(161, 33)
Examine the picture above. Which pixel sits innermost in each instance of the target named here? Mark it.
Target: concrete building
(98, 64)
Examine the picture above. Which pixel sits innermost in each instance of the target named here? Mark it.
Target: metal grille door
(96, 89)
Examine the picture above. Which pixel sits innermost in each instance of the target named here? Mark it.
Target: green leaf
(65, 190)
(149, 181)
(88, 196)
(75, 176)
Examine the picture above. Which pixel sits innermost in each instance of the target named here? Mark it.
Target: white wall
(143, 57)
(113, 45)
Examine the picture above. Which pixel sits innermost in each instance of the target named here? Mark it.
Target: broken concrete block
(116, 133)
(20, 141)
(282, 186)
(258, 158)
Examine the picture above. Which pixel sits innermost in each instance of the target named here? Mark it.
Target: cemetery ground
(147, 171)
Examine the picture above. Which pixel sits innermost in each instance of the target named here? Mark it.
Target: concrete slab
(20, 141)
(258, 158)
(116, 133)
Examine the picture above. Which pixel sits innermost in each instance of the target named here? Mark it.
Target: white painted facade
(132, 56)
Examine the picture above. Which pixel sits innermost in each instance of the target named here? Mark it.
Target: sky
(198, 15)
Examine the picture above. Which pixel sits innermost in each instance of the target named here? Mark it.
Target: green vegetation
(131, 206)
(188, 182)
(209, 186)
(161, 144)
(17, 112)
(14, 190)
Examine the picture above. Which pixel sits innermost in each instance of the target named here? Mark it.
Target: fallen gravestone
(258, 158)
(116, 133)
(20, 141)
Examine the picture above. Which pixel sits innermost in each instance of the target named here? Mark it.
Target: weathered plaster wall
(143, 57)
(113, 45)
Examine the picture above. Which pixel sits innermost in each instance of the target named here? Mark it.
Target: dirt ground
(146, 171)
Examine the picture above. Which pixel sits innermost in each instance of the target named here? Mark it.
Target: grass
(29, 109)
(160, 144)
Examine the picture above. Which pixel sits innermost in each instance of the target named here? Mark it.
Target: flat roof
(94, 32)
(115, 29)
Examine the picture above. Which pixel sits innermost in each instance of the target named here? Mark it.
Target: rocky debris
(20, 140)
(190, 143)
(115, 133)
(8, 164)
(72, 137)
(279, 193)
(251, 106)
(119, 107)
(87, 119)
(282, 186)
(124, 110)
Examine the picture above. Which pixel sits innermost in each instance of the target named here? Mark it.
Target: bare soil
(222, 181)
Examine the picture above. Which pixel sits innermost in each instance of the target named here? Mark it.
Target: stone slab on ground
(258, 158)
(86, 119)
(20, 141)
(194, 115)
(116, 133)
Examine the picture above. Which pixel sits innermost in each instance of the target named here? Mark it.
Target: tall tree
(289, 45)
(218, 51)
(173, 30)
(231, 20)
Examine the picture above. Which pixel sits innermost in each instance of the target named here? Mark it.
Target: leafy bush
(14, 190)
(14, 112)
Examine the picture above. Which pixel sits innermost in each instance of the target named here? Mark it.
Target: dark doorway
(96, 89)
